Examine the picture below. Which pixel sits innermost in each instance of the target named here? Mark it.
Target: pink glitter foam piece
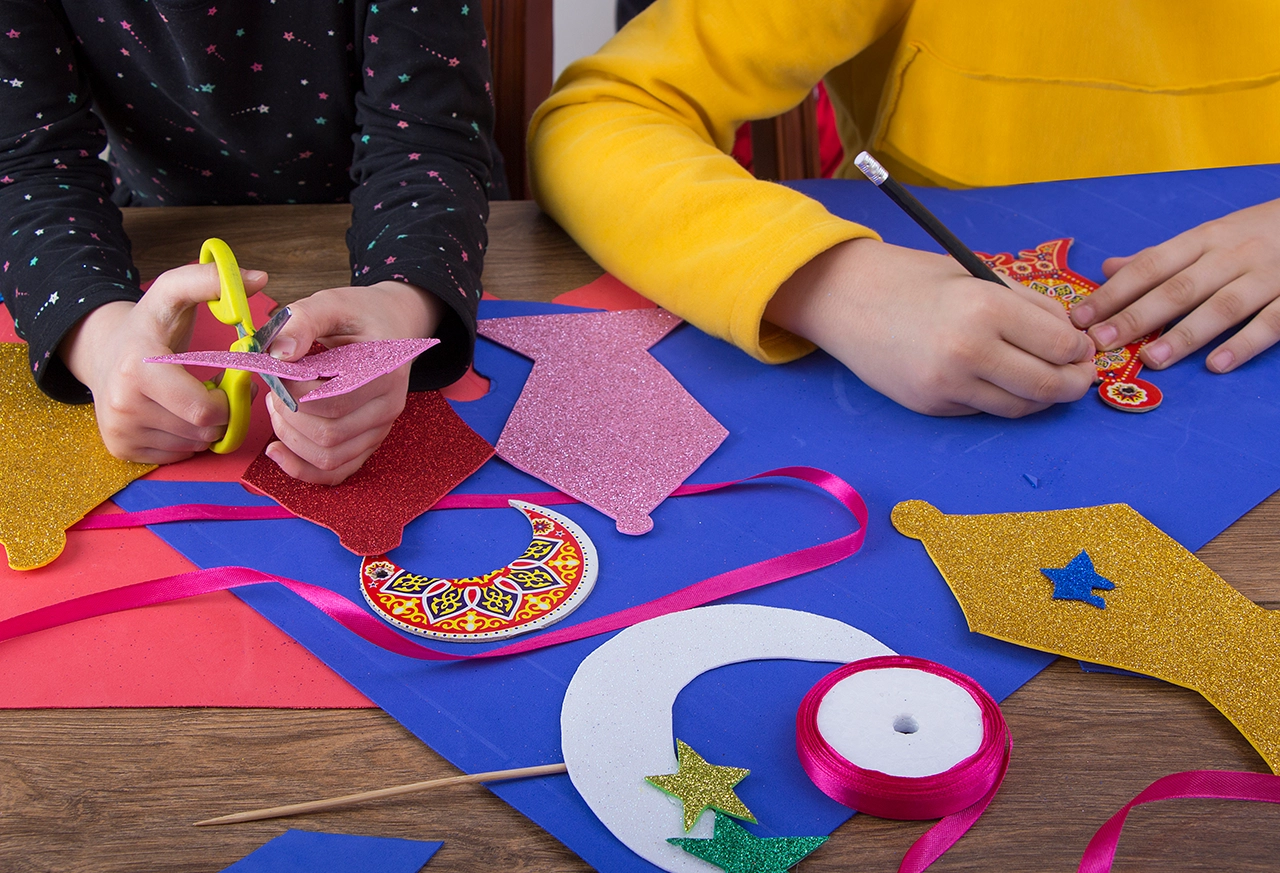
(350, 366)
(599, 418)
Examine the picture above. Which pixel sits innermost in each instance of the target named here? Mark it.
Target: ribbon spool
(908, 739)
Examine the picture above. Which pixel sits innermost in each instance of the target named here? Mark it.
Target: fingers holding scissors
(146, 412)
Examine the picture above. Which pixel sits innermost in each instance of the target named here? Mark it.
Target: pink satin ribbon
(222, 512)
(371, 629)
(958, 796)
(1214, 784)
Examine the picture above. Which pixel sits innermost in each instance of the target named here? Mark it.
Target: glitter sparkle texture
(701, 786)
(429, 451)
(1168, 615)
(350, 366)
(54, 467)
(734, 849)
(599, 418)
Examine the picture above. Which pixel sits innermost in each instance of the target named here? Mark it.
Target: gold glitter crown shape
(1168, 614)
(54, 467)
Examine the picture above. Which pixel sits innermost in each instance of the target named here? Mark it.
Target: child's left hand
(326, 441)
(1222, 273)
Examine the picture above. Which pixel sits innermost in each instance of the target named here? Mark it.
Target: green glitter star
(734, 849)
(700, 785)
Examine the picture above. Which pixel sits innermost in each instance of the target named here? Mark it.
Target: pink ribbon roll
(958, 795)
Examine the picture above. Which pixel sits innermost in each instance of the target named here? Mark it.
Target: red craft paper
(429, 451)
(208, 651)
(606, 293)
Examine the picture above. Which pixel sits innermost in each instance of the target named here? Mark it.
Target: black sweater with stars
(387, 105)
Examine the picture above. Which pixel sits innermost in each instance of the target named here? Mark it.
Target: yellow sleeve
(629, 155)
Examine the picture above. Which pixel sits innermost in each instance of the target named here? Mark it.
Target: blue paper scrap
(297, 851)
(1213, 437)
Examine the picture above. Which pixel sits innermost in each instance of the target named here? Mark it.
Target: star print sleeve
(423, 164)
(64, 251)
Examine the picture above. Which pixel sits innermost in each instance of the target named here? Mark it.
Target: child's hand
(1222, 272)
(152, 413)
(916, 327)
(326, 441)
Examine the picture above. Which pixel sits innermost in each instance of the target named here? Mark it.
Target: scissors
(232, 307)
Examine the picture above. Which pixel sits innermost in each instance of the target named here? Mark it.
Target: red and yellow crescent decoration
(547, 582)
(1045, 269)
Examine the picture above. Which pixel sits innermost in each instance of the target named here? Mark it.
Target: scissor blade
(268, 332)
(261, 339)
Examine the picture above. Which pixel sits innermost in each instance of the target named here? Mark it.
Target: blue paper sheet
(1192, 467)
(297, 851)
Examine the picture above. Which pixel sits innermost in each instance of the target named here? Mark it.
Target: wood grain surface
(95, 791)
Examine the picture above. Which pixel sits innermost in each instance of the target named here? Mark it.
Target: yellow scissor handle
(231, 307)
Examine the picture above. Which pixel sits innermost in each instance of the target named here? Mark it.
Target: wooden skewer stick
(334, 802)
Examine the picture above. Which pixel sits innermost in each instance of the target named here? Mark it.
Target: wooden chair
(520, 46)
(785, 147)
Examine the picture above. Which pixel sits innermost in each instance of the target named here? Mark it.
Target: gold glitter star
(53, 469)
(700, 785)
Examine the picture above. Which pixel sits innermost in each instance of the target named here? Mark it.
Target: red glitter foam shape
(599, 418)
(429, 451)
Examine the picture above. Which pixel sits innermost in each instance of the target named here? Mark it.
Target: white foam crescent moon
(615, 727)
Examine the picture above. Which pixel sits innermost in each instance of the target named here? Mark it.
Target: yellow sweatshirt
(629, 154)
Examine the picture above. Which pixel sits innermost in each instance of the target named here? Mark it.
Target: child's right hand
(918, 328)
(151, 413)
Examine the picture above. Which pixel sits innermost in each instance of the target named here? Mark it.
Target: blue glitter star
(1077, 580)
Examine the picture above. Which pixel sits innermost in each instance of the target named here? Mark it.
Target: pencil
(879, 176)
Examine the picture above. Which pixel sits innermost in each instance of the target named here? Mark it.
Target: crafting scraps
(549, 580)
(599, 418)
(318, 852)
(429, 451)
(54, 467)
(1103, 584)
(346, 367)
(1044, 269)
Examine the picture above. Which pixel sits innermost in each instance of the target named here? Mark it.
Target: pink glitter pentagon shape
(350, 366)
(599, 418)
(428, 453)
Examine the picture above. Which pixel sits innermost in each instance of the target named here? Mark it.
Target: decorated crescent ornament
(549, 580)
(1044, 269)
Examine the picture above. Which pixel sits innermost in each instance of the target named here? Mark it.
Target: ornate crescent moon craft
(1044, 269)
(552, 577)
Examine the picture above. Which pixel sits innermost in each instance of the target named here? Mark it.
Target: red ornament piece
(1045, 269)
(429, 451)
(555, 573)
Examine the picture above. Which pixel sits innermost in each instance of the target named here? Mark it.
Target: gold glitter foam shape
(1169, 615)
(54, 467)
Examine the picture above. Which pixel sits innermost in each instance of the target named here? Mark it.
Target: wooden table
(116, 790)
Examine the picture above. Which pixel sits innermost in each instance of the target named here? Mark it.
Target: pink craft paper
(599, 418)
(210, 651)
(346, 367)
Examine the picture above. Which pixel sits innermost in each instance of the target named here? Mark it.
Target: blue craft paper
(1192, 467)
(297, 851)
